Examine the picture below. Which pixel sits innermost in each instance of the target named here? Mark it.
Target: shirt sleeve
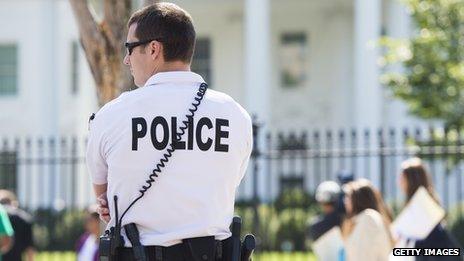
(248, 149)
(5, 225)
(95, 158)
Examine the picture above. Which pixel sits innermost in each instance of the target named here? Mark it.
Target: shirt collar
(174, 77)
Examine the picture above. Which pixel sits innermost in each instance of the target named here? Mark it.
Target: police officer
(192, 194)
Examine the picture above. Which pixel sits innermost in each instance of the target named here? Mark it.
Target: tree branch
(149, 2)
(85, 20)
(116, 15)
(90, 35)
(103, 45)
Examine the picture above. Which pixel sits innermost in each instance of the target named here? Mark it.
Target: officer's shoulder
(228, 101)
(111, 106)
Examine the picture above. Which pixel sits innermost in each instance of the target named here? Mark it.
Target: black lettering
(202, 122)
(190, 134)
(159, 145)
(221, 134)
(136, 134)
(176, 144)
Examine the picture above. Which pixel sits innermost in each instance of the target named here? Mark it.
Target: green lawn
(279, 256)
(56, 256)
(271, 256)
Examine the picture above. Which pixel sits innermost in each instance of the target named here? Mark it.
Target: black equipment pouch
(248, 246)
(105, 247)
(236, 228)
(200, 248)
(109, 243)
(133, 235)
(111, 240)
(241, 250)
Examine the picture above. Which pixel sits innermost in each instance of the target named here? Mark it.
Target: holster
(133, 235)
(200, 248)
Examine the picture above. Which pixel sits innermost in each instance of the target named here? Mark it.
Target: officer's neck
(174, 66)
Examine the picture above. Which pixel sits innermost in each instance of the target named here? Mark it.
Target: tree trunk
(103, 43)
(149, 2)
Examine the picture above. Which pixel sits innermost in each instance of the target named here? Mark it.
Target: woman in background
(87, 245)
(414, 175)
(366, 230)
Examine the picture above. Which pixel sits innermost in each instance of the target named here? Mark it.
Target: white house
(297, 64)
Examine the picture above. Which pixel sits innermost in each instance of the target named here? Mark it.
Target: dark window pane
(8, 69)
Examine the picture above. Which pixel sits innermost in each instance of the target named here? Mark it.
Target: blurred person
(87, 244)
(414, 175)
(324, 231)
(6, 232)
(327, 195)
(343, 177)
(21, 221)
(366, 230)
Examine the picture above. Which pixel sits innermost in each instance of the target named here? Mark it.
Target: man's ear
(155, 49)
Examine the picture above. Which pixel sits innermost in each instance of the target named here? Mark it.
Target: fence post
(74, 171)
(382, 155)
(458, 171)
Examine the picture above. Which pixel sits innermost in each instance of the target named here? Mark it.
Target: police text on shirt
(193, 133)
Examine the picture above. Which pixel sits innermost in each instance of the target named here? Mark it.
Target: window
(201, 62)
(8, 69)
(293, 50)
(8, 170)
(75, 67)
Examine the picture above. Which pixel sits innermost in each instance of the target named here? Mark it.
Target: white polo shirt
(194, 194)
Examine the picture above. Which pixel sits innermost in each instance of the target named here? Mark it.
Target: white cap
(327, 192)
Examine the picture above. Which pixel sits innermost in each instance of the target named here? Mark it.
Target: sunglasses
(130, 46)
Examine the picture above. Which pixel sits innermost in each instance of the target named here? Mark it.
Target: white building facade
(296, 64)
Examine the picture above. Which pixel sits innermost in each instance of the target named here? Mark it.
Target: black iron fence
(302, 160)
(46, 172)
(276, 196)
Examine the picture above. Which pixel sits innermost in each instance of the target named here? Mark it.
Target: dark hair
(169, 24)
(416, 175)
(363, 196)
(8, 198)
(92, 212)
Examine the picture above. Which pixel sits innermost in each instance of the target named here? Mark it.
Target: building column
(257, 59)
(367, 96)
(257, 73)
(399, 26)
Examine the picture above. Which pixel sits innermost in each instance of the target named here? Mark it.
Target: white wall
(44, 45)
(222, 22)
(45, 29)
(44, 105)
(23, 113)
(325, 100)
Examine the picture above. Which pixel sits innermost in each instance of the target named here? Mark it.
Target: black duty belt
(178, 252)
